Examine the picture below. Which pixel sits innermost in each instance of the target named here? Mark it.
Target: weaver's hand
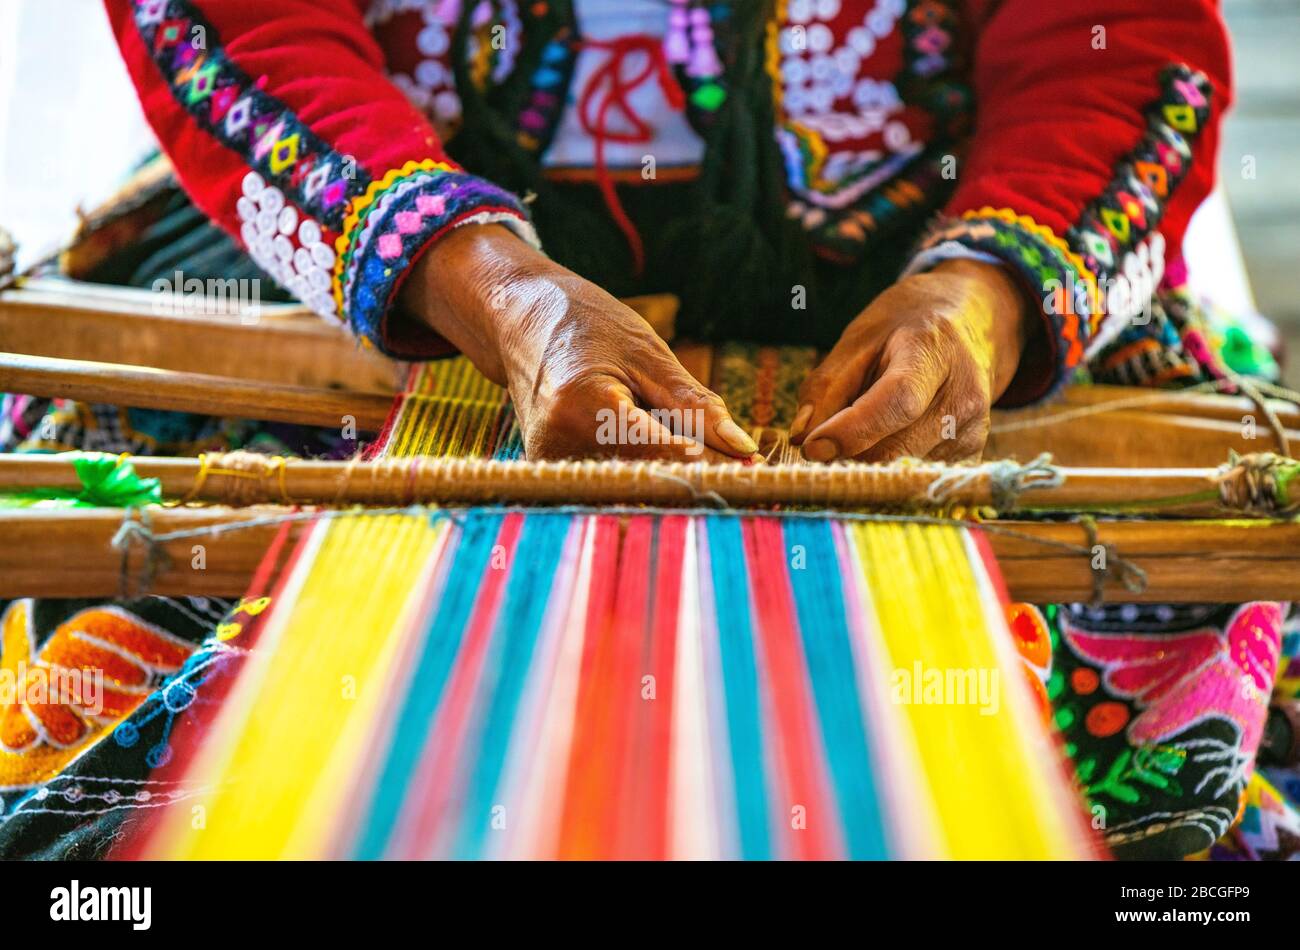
(586, 374)
(916, 372)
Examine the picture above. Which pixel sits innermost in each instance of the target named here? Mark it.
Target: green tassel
(107, 481)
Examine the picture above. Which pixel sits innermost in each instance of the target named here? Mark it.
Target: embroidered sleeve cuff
(1060, 287)
(390, 227)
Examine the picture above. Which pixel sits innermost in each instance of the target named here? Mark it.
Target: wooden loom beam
(281, 343)
(1121, 437)
(287, 343)
(243, 478)
(69, 553)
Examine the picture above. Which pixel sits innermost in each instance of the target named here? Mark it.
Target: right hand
(587, 375)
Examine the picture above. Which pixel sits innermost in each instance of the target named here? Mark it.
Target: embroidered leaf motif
(1113, 784)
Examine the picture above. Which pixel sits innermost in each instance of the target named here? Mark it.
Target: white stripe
(540, 803)
(692, 819)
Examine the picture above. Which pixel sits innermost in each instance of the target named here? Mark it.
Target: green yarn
(106, 482)
(1283, 475)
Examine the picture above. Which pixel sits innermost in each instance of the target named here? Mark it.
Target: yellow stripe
(280, 782)
(997, 794)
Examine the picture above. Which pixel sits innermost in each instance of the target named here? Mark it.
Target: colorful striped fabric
(595, 684)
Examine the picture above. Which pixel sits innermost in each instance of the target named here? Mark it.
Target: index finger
(898, 398)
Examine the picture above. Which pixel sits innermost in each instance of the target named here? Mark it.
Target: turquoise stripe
(740, 683)
(442, 643)
(819, 595)
(541, 545)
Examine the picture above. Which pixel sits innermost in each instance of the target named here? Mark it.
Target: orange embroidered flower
(96, 667)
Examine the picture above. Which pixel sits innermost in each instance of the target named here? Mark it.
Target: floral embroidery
(233, 108)
(1177, 680)
(1034, 644)
(1162, 709)
(45, 722)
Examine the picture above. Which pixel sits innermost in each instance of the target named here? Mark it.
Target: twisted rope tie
(1258, 484)
(155, 557)
(1007, 480)
(1112, 566)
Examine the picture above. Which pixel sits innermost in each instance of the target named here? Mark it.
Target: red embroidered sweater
(307, 129)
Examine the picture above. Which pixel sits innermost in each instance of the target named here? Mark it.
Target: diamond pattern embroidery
(284, 154)
(238, 117)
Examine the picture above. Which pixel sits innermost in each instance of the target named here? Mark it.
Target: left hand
(916, 373)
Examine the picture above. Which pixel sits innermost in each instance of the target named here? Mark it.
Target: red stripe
(802, 779)
(579, 823)
(991, 565)
(616, 746)
(651, 816)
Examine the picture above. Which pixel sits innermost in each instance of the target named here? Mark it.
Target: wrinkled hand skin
(565, 349)
(916, 373)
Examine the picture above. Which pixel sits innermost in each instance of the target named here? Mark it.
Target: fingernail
(800, 421)
(736, 437)
(820, 450)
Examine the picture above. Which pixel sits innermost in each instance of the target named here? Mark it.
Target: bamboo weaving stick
(242, 478)
(70, 553)
(149, 388)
